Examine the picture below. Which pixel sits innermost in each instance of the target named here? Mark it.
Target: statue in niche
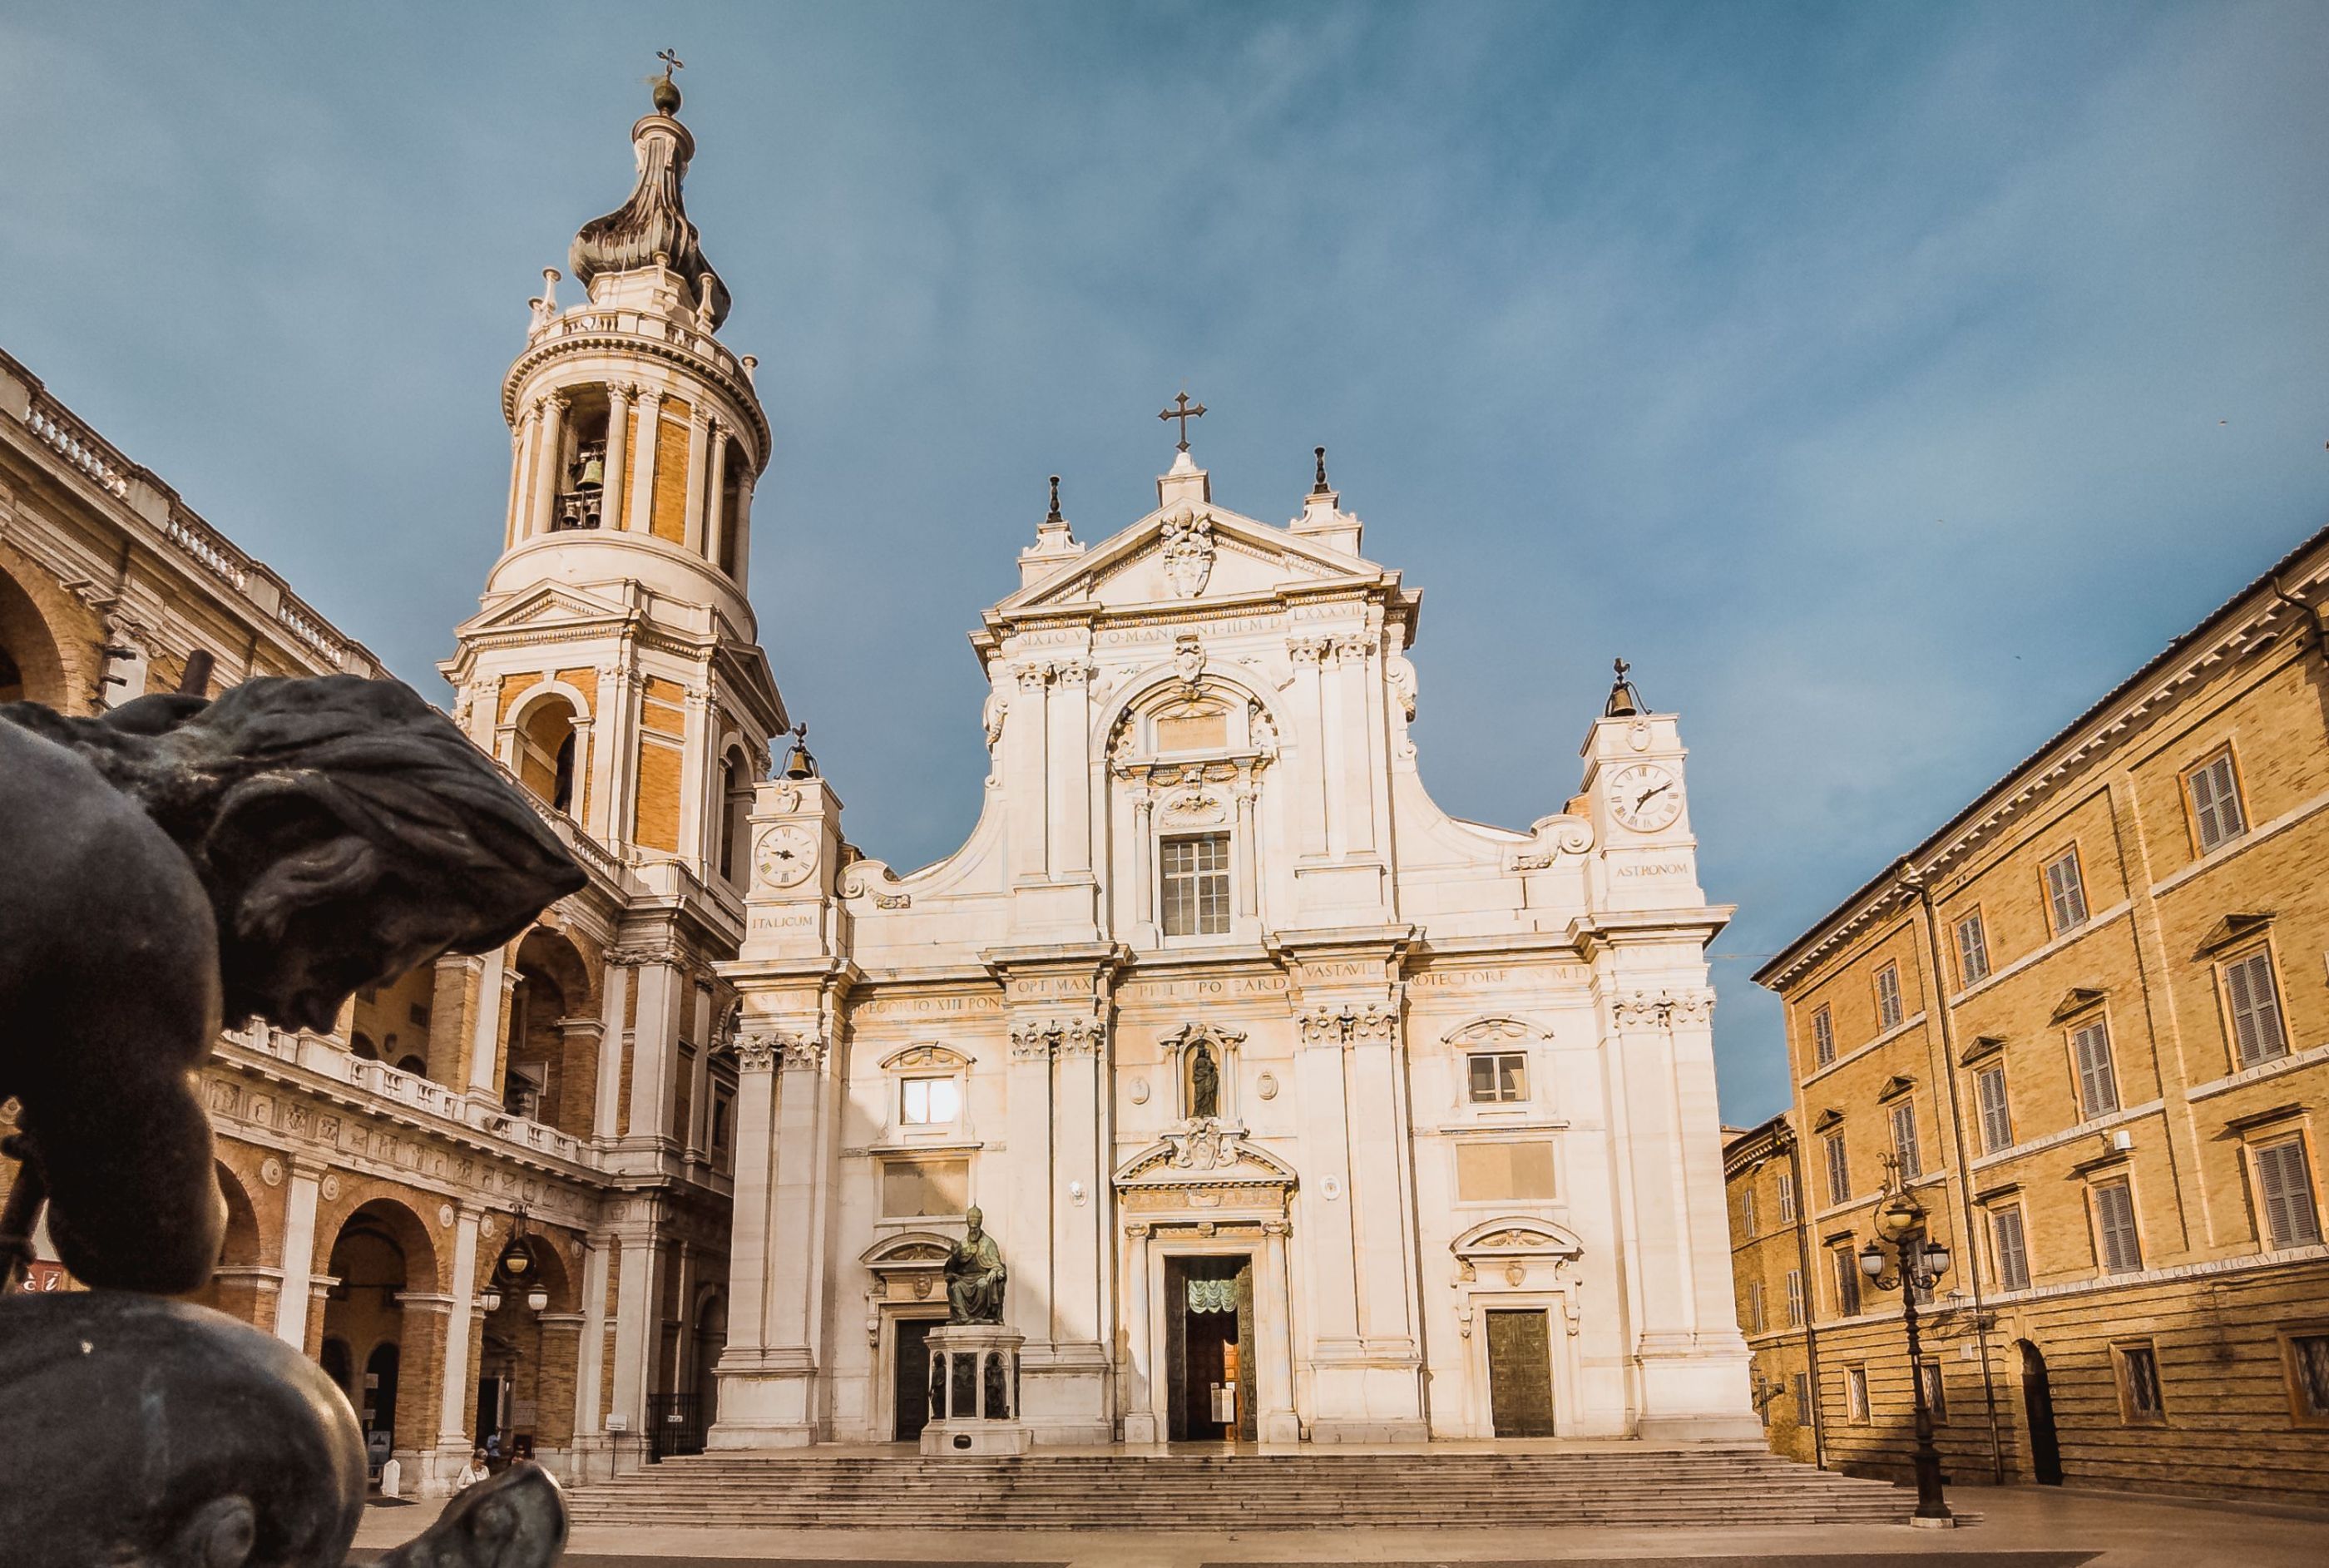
(975, 1275)
(1205, 1084)
(264, 853)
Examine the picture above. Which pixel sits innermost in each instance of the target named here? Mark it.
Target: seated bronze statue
(172, 866)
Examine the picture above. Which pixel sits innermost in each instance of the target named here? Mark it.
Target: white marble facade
(1214, 988)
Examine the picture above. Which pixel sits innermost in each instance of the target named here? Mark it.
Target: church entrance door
(1208, 1348)
(910, 1376)
(1519, 1372)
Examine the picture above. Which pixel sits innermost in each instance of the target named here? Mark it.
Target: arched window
(359, 1045)
(546, 752)
(735, 815)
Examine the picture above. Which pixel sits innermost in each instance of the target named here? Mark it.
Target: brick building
(495, 1198)
(2085, 1024)
(1770, 1269)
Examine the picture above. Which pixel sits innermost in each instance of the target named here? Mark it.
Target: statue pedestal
(975, 1392)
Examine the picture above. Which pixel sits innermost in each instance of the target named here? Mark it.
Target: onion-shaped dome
(653, 222)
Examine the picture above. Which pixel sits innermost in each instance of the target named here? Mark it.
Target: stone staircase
(1699, 1486)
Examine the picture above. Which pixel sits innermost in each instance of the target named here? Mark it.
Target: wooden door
(1519, 1372)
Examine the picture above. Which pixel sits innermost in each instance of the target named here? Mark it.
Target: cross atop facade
(1182, 412)
(670, 61)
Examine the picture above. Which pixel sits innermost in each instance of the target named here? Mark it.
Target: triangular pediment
(1190, 552)
(549, 605)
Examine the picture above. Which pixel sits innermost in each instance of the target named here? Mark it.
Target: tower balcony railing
(590, 321)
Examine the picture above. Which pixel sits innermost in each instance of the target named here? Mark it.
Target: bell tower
(614, 666)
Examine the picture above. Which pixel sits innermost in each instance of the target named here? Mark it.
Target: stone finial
(1321, 487)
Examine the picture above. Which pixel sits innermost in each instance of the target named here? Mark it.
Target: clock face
(1644, 797)
(787, 855)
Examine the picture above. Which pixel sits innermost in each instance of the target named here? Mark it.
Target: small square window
(1928, 1374)
(1855, 1394)
(2308, 1355)
(1888, 998)
(1973, 950)
(1823, 1037)
(2216, 816)
(1196, 885)
(2258, 1035)
(929, 1101)
(1498, 1077)
(2140, 1399)
(2065, 891)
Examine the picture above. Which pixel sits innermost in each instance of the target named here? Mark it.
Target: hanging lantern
(516, 1263)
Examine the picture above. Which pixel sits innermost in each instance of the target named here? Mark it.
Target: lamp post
(1916, 1261)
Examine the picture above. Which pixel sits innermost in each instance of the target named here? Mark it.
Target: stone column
(1068, 782)
(590, 1353)
(520, 490)
(654, 1044)
(1026, 1225)
(458, 1394)
(1274, 1341)
(549, 467)
(1353, 760)
(618, 466)
(743, 526)
(715, 500)
(637, 1326)
(640, 512)
(299, 1250)
(1142, 1396)
(555, 1390)
(495, 982)
(694, 770)
(1247, 852)
(1066, 1389)
(1025, 741)
(615, 993)
(770, 1376)
(697, 456)
(1313, 754)
(749, 1240)
(1143, 851)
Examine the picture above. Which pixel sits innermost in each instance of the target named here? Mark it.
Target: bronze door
(911, 1378)
(1520, 1373)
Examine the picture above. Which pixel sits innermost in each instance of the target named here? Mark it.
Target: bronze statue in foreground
(173, 865)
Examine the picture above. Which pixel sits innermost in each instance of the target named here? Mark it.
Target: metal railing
(675, 1425)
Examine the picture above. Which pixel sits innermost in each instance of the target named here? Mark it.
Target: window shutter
(1996, 1119)
(2257, 1033)
(2115, 1218)
(2098, 1086)
(2290, 1218)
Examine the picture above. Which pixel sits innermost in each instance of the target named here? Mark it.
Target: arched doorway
(234, 1285)
(546, 752)
(551, 1074)
(382, 1254)
(31, 668)
(2038, 1407)
(532, 1351)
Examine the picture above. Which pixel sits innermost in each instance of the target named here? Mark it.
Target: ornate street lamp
(1911, 1264)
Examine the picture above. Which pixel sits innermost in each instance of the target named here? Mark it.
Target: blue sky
(1883, 381)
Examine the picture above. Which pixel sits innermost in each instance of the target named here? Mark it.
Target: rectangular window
(722, 1107)
(929, 1101)
(1904, 1138)
(2097, 1083)
(2215, 802)
(1498, 1077)
(1847, 1281)
(1786, 1197)
(1973, 950)
(1803, 1399)
(1794, 1297)
(1503, 1172)
(1823, 1037)
(2140, 1401)
(1855, 1394)
(2308, 1377)
(1839, 1170)
(1888, 998)
(1747, 1211)
(1928, 1373)
(911, 1188)
(2257, 1032)
(2067, 891)
(2012, 1251)
(1196, 882)
(2121, 1248)
(1996, 1116)
(1755, 1321)
(2284, 1191)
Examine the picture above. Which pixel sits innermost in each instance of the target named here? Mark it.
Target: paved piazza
(2005, 1527)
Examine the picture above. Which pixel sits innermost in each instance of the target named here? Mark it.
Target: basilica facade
(1301, 1109)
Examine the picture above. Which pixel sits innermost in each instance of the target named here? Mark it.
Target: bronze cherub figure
(172, 865)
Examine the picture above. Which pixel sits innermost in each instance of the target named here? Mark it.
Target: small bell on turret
(799, 763)
(592, 475)
(1624, 702)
